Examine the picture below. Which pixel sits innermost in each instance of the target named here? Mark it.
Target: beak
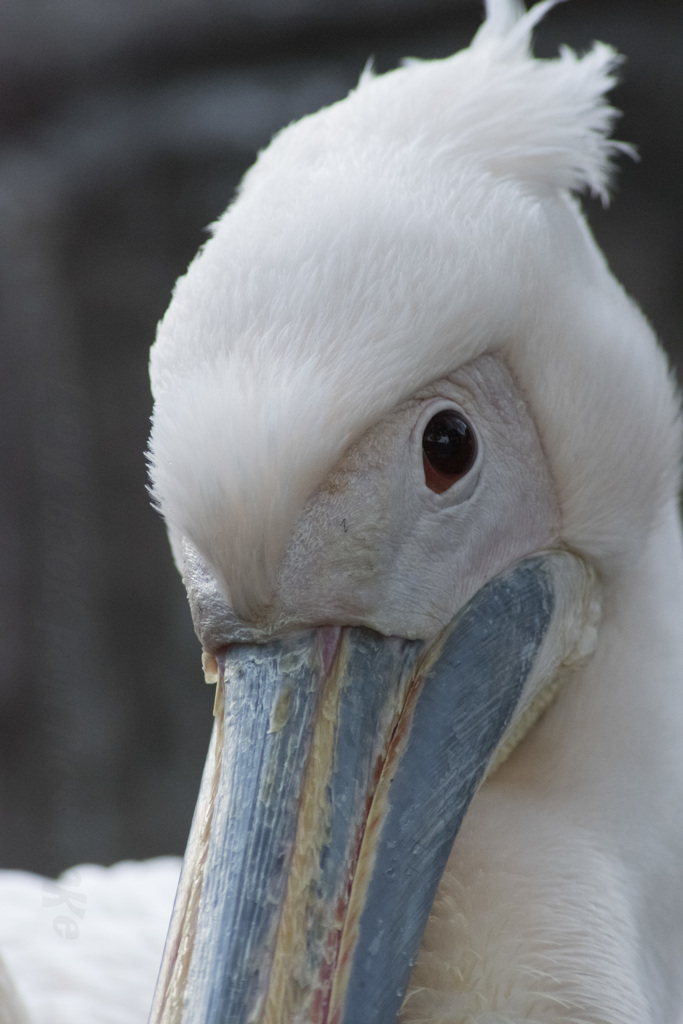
(340, 769)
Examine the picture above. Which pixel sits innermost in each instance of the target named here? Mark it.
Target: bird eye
(449, 449)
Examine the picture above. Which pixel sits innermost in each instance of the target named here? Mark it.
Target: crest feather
(509, 19)
(543, 122)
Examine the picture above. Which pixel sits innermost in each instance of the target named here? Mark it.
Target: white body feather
(86, 949)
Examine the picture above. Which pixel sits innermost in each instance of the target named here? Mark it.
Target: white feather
(86, 949)
(380, 244)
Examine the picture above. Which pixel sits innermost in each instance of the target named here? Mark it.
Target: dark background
(126, 125)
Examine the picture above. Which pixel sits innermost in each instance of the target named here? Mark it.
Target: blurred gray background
(126, 125)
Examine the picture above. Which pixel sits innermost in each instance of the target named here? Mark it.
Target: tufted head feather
(378, 245)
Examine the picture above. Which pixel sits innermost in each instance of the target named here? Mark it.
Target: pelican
(418, 457)
(417, 453)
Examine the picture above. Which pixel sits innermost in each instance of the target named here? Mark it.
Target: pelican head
(408, 432)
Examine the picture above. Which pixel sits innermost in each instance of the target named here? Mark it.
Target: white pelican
(418, 457)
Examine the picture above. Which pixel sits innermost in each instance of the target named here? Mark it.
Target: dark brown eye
(449, 448)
